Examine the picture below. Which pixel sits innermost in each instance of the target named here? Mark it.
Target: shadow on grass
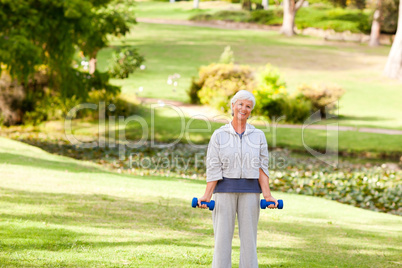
(57, 239)
(43, 222)
(325, 244)
(331, 246)
(103, 211)
(62, 165)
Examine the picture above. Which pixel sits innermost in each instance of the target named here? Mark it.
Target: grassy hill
(371, 100)
(56, 212)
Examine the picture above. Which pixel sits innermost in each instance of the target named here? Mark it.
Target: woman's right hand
(208, 194)
(204, 198)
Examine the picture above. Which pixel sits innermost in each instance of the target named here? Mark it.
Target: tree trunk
(290, 8)
(288, 25)
(265, 4)
(393, 68)
(92, 65)
(376, 26)
(196, 4)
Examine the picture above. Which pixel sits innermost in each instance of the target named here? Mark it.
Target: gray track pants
(246, 205)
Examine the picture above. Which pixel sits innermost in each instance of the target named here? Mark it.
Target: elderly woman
(237, 172)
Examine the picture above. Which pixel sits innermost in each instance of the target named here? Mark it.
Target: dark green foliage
(193, 91)
(246, 5)
(269, 17)
(48, 32)
(229, 15)
(37, 33)
(202, 17)
(43, 104)
(336, 18)
(389, 20)
(125, 61)
(273, 101)
(224, 15)
(296, 109)
(324, 17)
(339, 3)
(376, 189)
(360, 4)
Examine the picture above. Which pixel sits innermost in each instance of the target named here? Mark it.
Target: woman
(237, 172)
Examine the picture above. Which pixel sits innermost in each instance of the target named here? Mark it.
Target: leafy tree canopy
(48, 32)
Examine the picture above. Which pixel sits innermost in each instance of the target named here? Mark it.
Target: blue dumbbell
(264, 204)
(210, 204)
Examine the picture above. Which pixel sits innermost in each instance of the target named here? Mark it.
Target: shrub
(229, 15)
(320, 15)
(268, 17)
(323, 97)
(272, 99)
(36, 101)
(193, 91)
(217, 83)
(227, 56)
(201, 17)
(269, 93)
(115, 105)
(296, 109)
(48, 107)
(124, 62)
(51, 107)
(224, 15)
(337, 19)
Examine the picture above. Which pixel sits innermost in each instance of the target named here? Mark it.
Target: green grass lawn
(60, 212)
(181, 10)
(371, 100)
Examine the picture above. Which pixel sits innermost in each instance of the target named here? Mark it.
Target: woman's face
(242, 109)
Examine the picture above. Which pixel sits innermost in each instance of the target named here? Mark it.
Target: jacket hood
(229, 129)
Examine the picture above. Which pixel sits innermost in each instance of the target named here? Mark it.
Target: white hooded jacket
(233, 157)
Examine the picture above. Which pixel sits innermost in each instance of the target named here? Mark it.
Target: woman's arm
(266, 191)
(208, 193)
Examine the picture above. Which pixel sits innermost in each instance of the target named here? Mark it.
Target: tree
(196, 4)
(376, 26)
(265, 4)
(290, 7)
(49, 32)
(393, 68)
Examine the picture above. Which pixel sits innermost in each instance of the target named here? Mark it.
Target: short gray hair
(242, 95)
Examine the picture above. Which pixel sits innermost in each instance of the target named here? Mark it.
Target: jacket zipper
(241, 157)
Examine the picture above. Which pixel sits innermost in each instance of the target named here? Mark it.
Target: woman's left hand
(270, 198)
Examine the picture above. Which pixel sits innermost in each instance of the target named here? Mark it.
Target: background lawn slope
(56, 211)
(371, 100)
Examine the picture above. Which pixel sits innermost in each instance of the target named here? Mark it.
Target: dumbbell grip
(210, 204)
(264, 204)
